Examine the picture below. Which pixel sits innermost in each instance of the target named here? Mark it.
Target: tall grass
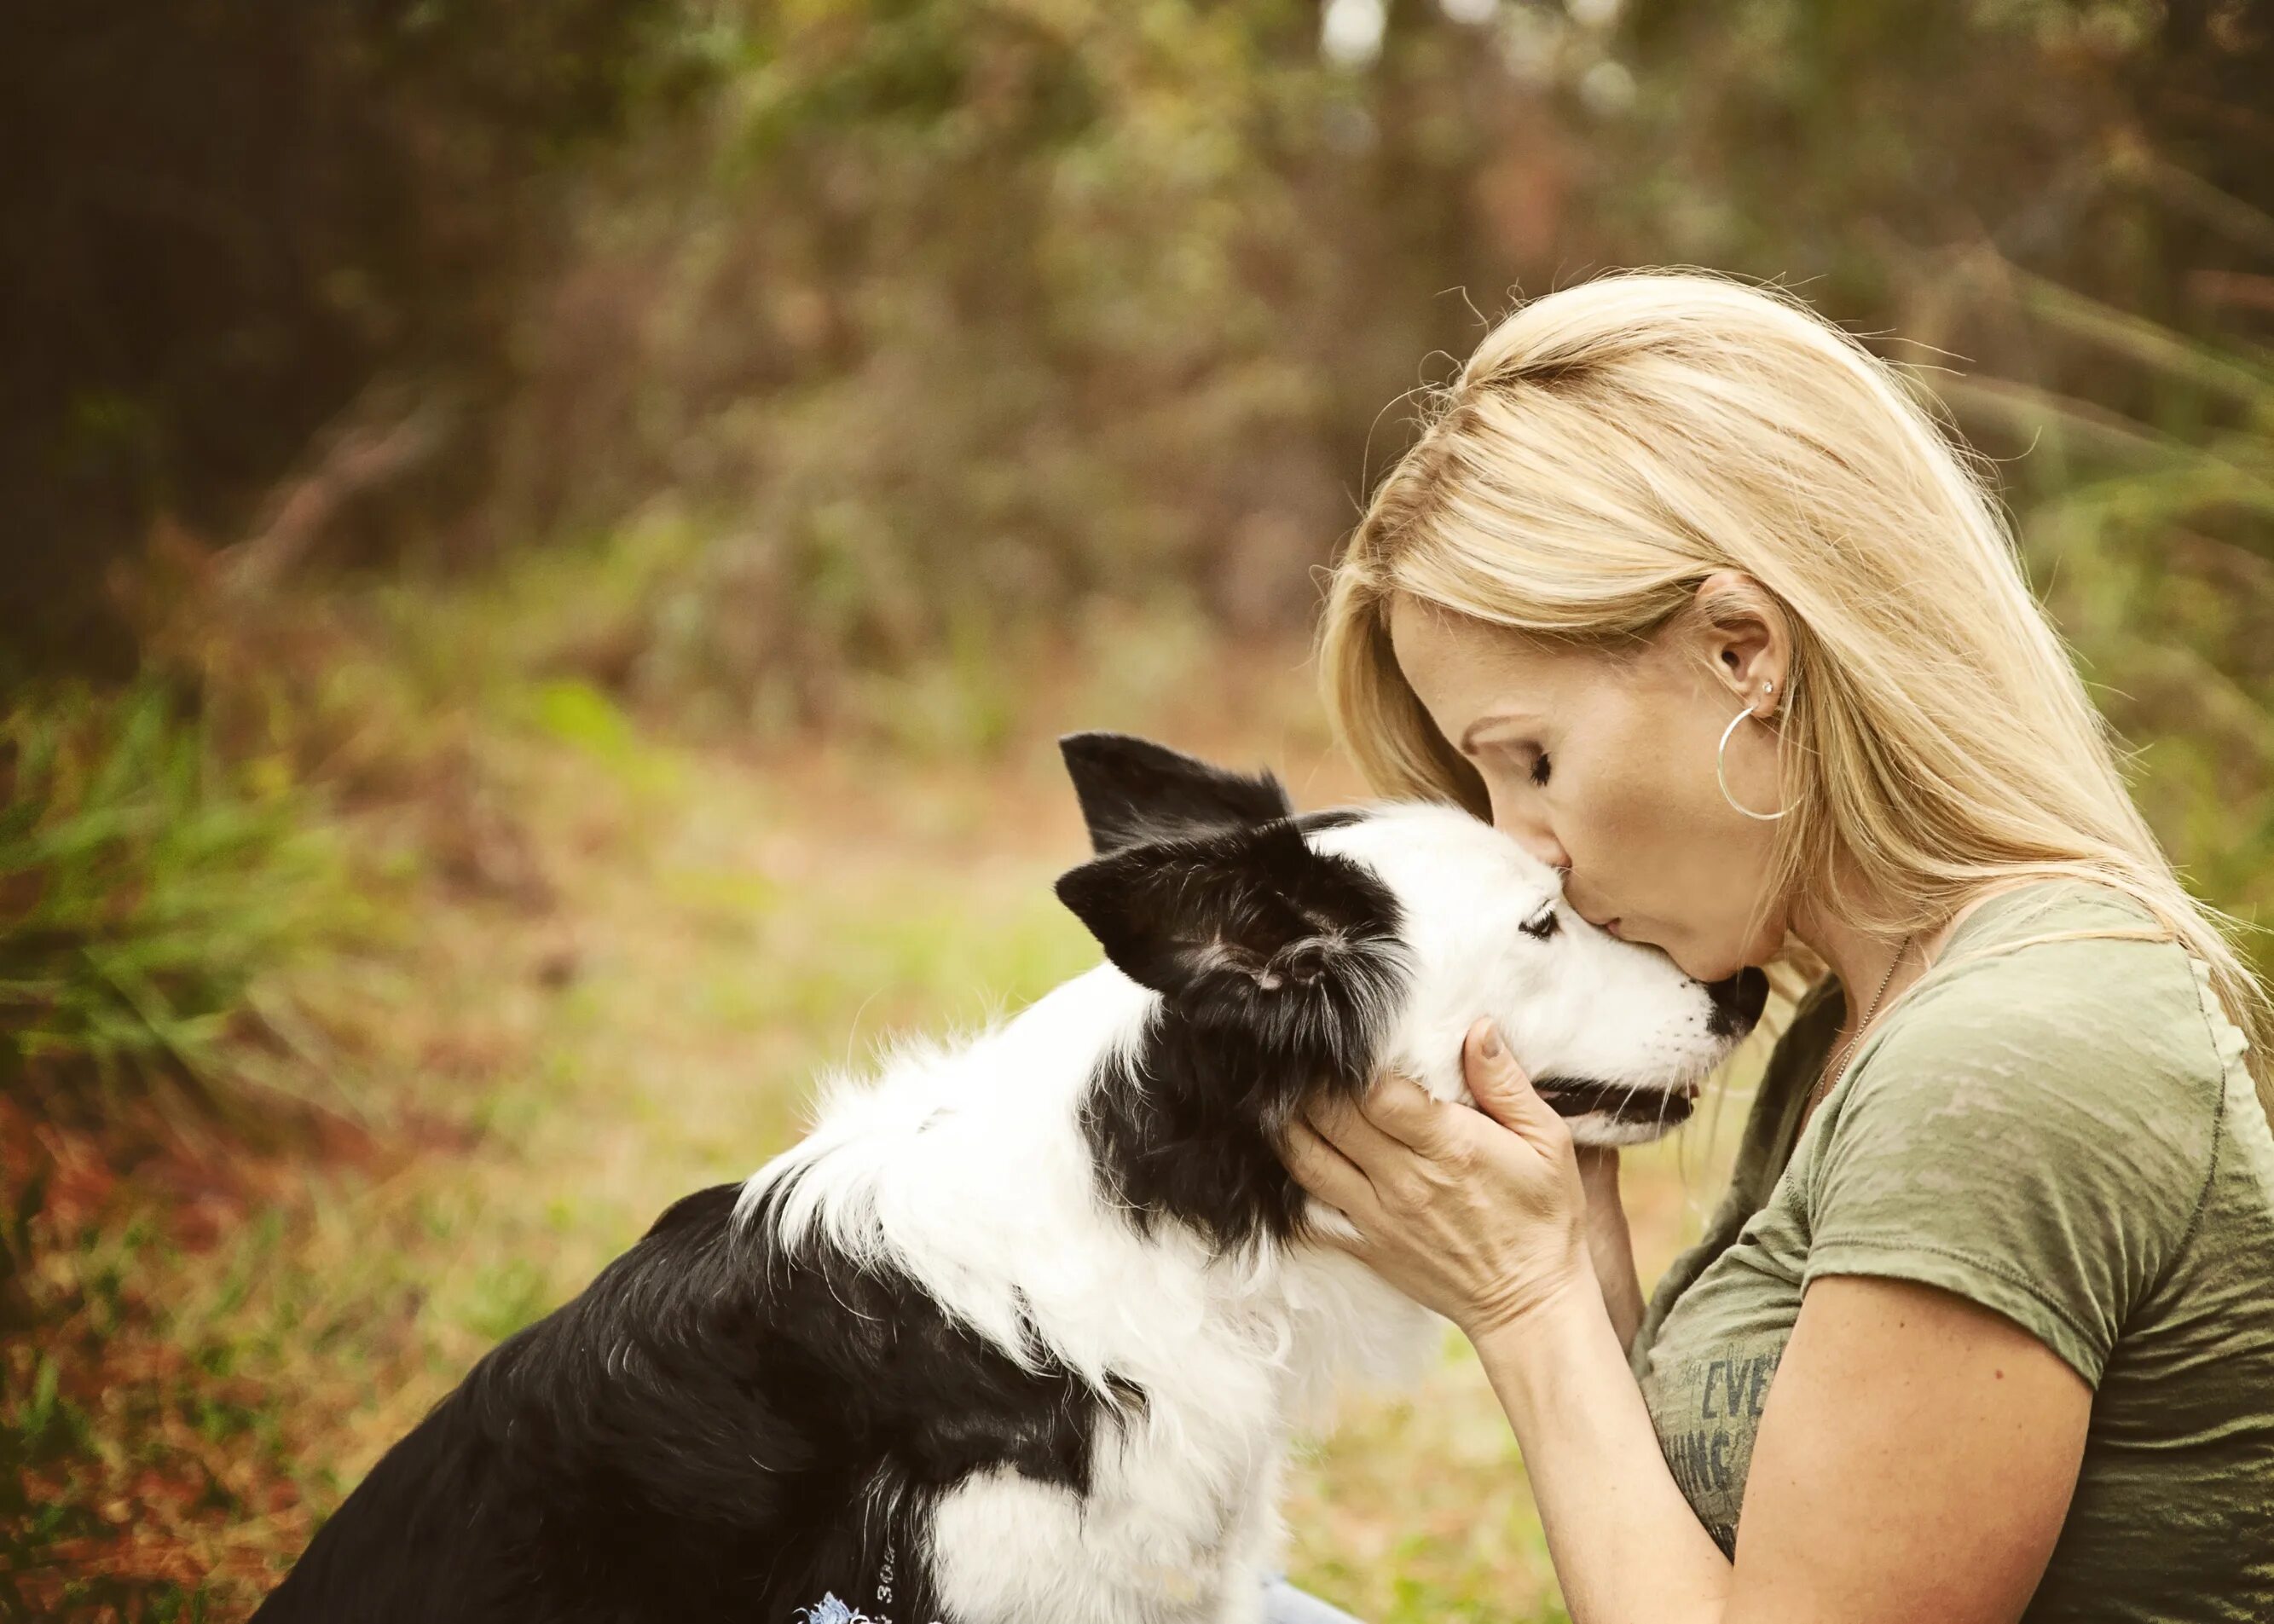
(145, 886)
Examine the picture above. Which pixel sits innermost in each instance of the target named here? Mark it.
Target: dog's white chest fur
(1183, 1520)
(966, 1170)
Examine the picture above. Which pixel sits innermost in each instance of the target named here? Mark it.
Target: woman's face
(1607, 771)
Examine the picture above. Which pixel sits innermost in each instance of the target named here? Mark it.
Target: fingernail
(1490, 1047)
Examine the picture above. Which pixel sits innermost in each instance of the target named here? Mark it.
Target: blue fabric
(1284, 1603)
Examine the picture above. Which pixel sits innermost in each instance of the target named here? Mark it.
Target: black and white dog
(1018, 1334)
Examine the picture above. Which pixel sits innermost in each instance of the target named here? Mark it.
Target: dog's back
(715, 1426)
(529, 1490)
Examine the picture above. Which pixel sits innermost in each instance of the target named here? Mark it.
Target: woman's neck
(1864, 961)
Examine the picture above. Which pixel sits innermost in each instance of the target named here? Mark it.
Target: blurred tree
(935, 317)
(221, 219)
(944, 315)
(949, 314)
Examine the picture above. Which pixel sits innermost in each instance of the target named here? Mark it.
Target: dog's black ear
(1133, 790)
(1238, 915)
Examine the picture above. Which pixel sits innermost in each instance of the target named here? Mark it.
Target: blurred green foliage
(2154, 535)
(940, 318)
(932, 317)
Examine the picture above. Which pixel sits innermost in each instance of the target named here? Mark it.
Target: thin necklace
(1832, 1070)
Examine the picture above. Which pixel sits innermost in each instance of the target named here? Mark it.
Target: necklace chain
(1824, 1082)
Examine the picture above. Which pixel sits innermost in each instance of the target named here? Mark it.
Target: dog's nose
(1738, 1001)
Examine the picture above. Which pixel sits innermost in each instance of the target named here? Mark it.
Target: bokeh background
(546, 548)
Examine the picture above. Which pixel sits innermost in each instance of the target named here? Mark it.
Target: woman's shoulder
(2042, 1066)
(2066, 987)
(2039, 1127)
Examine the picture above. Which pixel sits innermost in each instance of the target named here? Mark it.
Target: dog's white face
(1613, 1034)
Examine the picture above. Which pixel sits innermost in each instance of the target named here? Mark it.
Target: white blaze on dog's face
(1613, 1034)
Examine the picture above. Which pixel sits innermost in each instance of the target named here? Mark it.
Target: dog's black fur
(707, 1431)
(725, 1425)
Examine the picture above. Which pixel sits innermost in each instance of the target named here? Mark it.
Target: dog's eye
(1541, 924)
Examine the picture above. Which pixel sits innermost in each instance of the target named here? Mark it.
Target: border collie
(1018, 1334)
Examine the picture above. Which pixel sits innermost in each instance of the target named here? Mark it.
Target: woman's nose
(1524, 825)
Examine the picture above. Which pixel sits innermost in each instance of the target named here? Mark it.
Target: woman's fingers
(1402, 1108)
(1467, 1212)
(1323, 1170)
(1349, 1125)
(1502, 1091)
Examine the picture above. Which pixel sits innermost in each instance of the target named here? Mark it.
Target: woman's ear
(1746, 636)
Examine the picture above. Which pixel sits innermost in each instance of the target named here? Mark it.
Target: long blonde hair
(1609, 445)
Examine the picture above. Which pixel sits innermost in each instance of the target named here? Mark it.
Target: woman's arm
(1610, 1245)
(1915, 1458)
(1915, 1461)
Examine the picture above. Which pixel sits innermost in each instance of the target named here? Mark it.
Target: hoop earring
(1766, 818)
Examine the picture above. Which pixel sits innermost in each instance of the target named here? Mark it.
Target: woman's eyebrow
(1469, 734)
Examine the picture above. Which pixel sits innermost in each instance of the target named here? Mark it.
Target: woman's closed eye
(1514, 753)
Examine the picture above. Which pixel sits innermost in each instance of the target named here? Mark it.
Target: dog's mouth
(1587, 1096)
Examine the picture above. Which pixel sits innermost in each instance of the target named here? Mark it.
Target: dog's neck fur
(1017, 1179)
(1182, 1122)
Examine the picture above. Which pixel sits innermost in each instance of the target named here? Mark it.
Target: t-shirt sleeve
(2034, 1137)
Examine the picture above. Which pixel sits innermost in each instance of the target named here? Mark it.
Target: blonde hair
(1610, 445)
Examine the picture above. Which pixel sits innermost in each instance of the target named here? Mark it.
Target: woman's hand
(1477, 1215)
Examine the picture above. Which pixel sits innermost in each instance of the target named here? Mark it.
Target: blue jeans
(1284, 1603)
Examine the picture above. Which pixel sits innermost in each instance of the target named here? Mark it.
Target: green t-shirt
(2063, 1132)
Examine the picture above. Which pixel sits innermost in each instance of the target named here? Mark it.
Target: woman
(1684, 590)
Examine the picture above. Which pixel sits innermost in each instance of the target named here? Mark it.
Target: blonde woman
(1684, 590)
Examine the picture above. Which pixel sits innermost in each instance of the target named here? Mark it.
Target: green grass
(145, 884)
(150, 888)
